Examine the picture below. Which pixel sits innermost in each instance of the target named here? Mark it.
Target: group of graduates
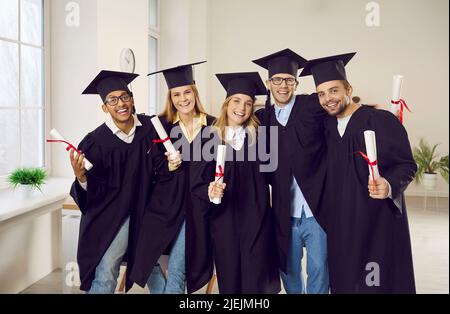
(139, 202)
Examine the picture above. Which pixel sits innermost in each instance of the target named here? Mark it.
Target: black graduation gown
(360, 229)
(301, 153)
(242, 238)
(170, 205)
(118, 186)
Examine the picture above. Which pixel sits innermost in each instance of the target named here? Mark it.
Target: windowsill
(13, 203)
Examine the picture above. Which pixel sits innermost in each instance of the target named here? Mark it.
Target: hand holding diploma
(371, 157)
(173, 159)
(216, 188)
(78, 165)
(378, 189)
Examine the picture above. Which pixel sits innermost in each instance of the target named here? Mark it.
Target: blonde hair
(251, 125)
(170, 111)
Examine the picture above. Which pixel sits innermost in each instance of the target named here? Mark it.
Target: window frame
(46, 88)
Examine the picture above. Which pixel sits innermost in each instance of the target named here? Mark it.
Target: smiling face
(335, 97)
(239, 109)
(183, 98)
(282, 93)
(121, 112)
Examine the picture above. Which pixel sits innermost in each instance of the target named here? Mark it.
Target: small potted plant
(28, 179)
(429, 164)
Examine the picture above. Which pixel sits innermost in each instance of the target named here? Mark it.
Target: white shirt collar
(235, 137)
(115, 130)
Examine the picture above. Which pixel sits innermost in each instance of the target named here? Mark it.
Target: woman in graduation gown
(369, 245)
(241, 231)
(169, 223)
(113, 194)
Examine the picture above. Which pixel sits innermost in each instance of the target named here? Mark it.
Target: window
(153, 46)
(22, 85)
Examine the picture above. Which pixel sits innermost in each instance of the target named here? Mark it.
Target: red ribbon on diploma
(371, 165)
(161, 141)
(158, 142)
(69, 146)
(403, 105)
(220, 174)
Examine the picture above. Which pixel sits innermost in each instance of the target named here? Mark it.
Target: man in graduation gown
(113, 194)
(298, 181)
(369, 246)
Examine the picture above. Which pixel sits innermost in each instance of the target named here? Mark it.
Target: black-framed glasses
(114, 100)
(279, 80)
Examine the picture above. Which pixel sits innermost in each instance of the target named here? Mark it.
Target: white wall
(73, 62)
(184, 39)
(124, 24)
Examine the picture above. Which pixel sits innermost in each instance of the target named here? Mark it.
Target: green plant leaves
(427, 161)
(28, 176)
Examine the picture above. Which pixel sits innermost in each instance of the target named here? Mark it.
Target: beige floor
(429, 236)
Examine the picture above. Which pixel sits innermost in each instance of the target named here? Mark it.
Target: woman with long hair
(242, 241)
(166, 223)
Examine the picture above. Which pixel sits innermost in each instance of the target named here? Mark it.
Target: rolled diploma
(163, 135)
(371, 147)
(221, 155)
(56, 136)
(396, 91)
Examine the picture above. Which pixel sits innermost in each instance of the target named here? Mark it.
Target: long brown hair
(251, 125)
(170, 111)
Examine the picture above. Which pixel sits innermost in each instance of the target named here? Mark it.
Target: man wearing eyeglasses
(298, 181)
(112, 196)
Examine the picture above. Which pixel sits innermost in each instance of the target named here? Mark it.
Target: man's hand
(78, 166)
(380, 190)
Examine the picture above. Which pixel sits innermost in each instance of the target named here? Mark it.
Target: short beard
(347, 102)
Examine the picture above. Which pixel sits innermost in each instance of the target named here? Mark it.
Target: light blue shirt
(298, 201)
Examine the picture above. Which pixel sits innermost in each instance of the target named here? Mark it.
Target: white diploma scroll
(220, 168)
(371, 147)
(58, 137)
(163, 135)
(396, 92)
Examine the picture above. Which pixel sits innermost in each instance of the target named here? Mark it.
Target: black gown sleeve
(395, 160)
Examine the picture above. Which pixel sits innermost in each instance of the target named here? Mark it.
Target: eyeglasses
(114, 100)
(279, 80)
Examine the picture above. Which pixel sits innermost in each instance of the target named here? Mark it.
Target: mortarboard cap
(108, 81)
(284, 61)
(247, 83)
(179, 76)
(327, 69)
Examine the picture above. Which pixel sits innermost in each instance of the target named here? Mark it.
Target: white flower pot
(429, 181)
(23, 192)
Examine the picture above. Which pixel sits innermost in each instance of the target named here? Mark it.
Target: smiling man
(369, 247)
(297, 182)
(113, 194)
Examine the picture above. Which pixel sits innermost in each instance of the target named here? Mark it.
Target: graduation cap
(247, 83)
(327, 69)
(108, 81)
(284, 61)
(179, 76)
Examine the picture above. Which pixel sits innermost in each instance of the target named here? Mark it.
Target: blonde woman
(167, 222)
(241, 231)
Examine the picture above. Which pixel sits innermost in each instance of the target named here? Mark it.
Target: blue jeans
(306, 232)
(107, 270)
(175, 282)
